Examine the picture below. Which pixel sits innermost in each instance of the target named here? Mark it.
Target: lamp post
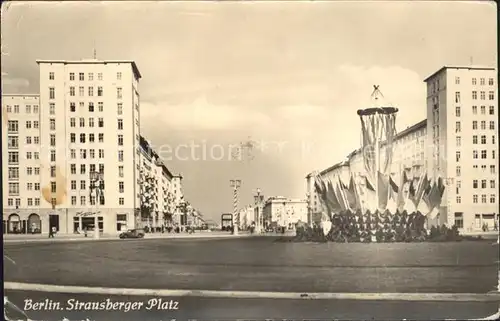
(258, 199)
(309, 209)
(235, 184)
(96, 184)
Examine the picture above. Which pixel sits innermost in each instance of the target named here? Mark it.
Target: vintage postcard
(250, 160)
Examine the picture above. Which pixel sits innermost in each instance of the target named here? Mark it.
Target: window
(492, 110)
(72, 122)
(52, 140)
(475, 198)
(13, 126)
(120, 124)
(481, 81)
(101, 122)
(483, 167)
(99, 76)
(82, 200)
(474, 124)
(29, 170)
(483, 139)
(493, 139)
(101, 138)
(81, 105)
(13, 129)
(92, 153)
(37, 186)
(13, 172)
(72, 76)
(457, 97)
(37, 170)
(100, 106)
(28, 109)
(52, 156)
(101, 153)
(120, 140)
(82, 76)
(91, 137)
(36, 124)
(457, 156)
(72, 91)
(81, 91)
(482, 95)
(13, 189)
(82, 169)
(120, 156)
(474, 81)
(475, 183)
(73, 153)
(28, 140)
(36, 155)
(82, 122)
(483, 183)
(91, 122)
(36, 140)
(120, 171)
(458, 171)
(101, 170)
(91, 76)
(52, 171)
(52, 93)
(92, 168)
(28, 155)
(119, 93)
(91, 107)
(83, 153)
(458, 141)
(100, 91)
(457, 111)
(73, 168)
(474, 110)
(492, 169)
(475, 154)
(82, 184)
(52, 122)
(458, 128)
(53, 187)
(72, 137)
(91, 91)
(457, 80)
(492, 183)
(492, 125)
(483, 124)
(491, 95)
(118, 76)
(120, 109)
(492, 198)
(483, 110)
(121, 201)
(73, 200)
(474, 95)
(82, 138)
(121, 187)
(483, 198)
(491, 82)
(72, 107)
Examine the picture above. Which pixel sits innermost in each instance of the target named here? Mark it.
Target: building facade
(462, 107)
(247, 217)
(457, 141)
(284, 212)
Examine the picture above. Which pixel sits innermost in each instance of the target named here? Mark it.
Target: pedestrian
(52, 232)
(85, 231)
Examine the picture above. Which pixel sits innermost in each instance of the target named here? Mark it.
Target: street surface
(258, 264)
(255, 309)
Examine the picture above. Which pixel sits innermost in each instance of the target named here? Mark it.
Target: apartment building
(457, 141)
(247, 217)
(462, 107)
(21, 163)
(282, 211)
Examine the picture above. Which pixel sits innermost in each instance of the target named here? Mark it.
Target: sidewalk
(26, 238)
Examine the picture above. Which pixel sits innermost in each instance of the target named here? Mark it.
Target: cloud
(13, 85)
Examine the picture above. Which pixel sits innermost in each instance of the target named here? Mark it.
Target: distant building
(282, 211)
(247, 217)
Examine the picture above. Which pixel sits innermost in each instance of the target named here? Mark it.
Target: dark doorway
(54, 221)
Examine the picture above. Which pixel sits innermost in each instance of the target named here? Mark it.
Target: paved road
(258, 264)
(233, 309)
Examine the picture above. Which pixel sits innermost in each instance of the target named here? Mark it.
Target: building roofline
(21, 95)
(94, 61)
(458, 67)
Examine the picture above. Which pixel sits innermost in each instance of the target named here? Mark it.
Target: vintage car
(137, 233)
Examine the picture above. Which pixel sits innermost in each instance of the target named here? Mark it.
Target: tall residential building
(284, 212)
(21, 163)
(462, 107)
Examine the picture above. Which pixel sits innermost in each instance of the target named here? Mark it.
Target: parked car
(137, 233)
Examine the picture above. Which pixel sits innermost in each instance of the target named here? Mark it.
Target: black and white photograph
(250, 160)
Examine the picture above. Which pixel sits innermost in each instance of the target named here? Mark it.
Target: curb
(462, 297)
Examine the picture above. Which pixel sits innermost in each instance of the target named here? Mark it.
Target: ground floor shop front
(67, 221)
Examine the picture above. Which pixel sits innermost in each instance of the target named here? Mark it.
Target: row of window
(13, 158)
(475, 199)
(475, 183)
(81, 76)
(29, 109)
(482, 95)
(482, 81)
(484, 154)
(491, 111)
(91, 136)
(91, 123)
(81, 89)
(483, 139)
(31, 202)
(458, 169)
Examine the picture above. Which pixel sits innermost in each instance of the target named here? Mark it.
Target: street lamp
(235, 184)
(97, 185)
(258, 199)
(309, 209)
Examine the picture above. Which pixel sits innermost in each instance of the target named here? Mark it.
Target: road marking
(8, 258)
(464, 297)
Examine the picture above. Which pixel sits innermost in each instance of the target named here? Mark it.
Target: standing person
(52, 232)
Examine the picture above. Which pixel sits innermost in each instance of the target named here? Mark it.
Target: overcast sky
(289, 75)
